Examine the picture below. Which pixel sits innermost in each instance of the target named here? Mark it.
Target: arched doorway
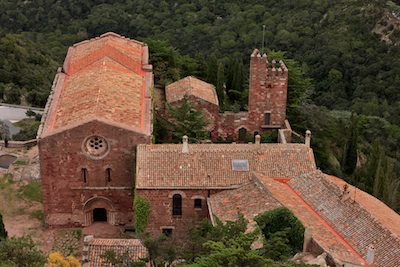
(99, 209)
(242, 135)
(99, 215)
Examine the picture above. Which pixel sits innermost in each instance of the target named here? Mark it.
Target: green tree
(282, 227)
(22, 252)
(120, 260)
(3, 232)
(349, 162)
(186, 120)
(220, 86)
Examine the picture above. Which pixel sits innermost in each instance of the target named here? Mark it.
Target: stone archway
(99, 209)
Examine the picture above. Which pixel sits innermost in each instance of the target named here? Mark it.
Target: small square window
(167, 231)
(197, 203)
(240, 165)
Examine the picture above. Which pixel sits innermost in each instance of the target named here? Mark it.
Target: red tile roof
(350, 219)
(106, 78)
(191, 86)
(210, 166)
(326, 238)
(250, 200)
(98, 246)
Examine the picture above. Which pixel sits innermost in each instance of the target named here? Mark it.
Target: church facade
(98, 111)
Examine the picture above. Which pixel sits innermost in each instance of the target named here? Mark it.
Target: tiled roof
(98, 246)
(210, 166)
(106, 78)
(321, 233)
(191, 86)
(355, 224)
(250, 200)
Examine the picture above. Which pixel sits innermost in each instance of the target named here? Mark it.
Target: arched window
(108, 175)
(242, 134)
(84, 174)
(177, 205)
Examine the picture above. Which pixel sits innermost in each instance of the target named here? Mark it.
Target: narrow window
(108, 175)
(167, 231)
(197, 203)
(267, 118)
(84, 175)
(177, 205)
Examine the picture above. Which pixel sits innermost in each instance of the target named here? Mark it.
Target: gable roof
(250, 200)
(210, 165)
(106, 78)
(350, 218)
(96, 247)
(191, 86)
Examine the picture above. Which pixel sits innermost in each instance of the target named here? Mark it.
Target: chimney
(258, 139)
(185, 148)
(370, 258)
(308, 138)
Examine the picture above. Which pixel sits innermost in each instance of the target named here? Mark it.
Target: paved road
(10, 114)
(13, 114)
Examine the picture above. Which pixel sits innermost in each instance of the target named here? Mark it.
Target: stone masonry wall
(161, 208)
(64, 155)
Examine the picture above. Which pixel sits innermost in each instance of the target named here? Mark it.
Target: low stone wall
(19, 144)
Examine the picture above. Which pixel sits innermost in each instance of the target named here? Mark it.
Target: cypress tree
(350, 153)
(220, 86)
(3, 232)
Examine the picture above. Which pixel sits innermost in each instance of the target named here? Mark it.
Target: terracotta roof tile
(133, 247)
(191, 86)
(105, 78)
(321, 234)
(351, 219)
(250, 199)
(210, 166)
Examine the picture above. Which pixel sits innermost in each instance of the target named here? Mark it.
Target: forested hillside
(344, 59)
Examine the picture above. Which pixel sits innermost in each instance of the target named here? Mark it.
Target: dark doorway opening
(99, 215)
(242, 135)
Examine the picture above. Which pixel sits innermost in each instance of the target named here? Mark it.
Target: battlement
(267, 91)
(269, 70)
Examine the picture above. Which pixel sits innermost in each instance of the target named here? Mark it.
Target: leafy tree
(3, 232)
(350, 150)
(4, 131)
(22, 252)
(186, 120)
(123, 260)
(56, 259)
(280, 226)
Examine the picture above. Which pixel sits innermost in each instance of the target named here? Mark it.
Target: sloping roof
(106, 78)
(98, 246)
(210, 166)
(250, 200)
(191, 86)
(355, 223)
(321, 233)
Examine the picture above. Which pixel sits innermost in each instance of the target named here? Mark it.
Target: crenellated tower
(267, 92)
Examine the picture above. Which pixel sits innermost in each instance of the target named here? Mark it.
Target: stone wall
(161, 208)
(76, 176)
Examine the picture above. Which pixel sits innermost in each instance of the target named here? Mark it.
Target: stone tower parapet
(268, 91)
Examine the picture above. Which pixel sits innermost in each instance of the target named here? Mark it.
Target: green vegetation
(342, 58)
(142, 212)
(3, 232)
(184, 119)
(32, 191)
(283, 233)
(227, 244)
(21, 252)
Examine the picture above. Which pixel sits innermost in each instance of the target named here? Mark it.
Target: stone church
(96, 152)
(99, 110)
